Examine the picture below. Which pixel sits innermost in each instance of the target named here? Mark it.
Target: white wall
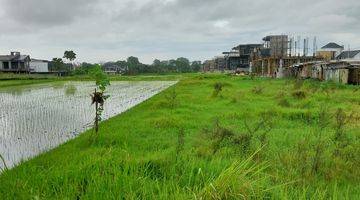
(1, 65)
(39, 66)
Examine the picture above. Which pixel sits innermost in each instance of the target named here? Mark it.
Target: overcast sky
(104, 30)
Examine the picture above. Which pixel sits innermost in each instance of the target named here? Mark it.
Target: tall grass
(207, 148)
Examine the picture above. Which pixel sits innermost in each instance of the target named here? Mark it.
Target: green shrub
(299, 94)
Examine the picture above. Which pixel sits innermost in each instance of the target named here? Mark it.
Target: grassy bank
(9, 80)
(211, 137)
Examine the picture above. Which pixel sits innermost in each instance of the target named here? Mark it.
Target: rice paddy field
(37, 118)
(210, 137)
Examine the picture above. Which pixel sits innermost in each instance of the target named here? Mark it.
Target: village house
(113, 68)
(330, 51)
(15, 62)
(39, 66)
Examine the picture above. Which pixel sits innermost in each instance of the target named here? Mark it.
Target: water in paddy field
(38, 118)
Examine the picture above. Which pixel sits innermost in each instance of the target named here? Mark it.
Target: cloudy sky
(104, 30)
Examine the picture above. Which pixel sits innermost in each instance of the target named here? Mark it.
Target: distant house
(349, 55)
(39, 66)
(113, 68)
(15, 62)
(330, 51)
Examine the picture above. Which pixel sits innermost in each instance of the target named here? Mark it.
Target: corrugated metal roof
(6, 57)
(14, 57)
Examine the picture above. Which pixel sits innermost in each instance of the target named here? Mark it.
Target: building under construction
(283, 56)
(239, 58)
(277, 54)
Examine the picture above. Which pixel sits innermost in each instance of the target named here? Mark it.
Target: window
(6, 65)
(14, 65)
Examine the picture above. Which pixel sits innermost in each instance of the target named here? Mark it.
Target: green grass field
(210, 137)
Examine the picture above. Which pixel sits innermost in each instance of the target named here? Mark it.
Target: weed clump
(258, 89)
(219, 135)
(218, 87)
(340, 139)
(283, 102)
(180, 141)
(319, 147)
(171, 99)
(299, 94)
(298, 83)
(239, 181)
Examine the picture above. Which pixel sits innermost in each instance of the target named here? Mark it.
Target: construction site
(279, 56)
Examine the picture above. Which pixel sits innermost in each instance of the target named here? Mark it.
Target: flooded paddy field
(37, 118)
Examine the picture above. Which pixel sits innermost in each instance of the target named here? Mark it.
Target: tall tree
(196, 66)
(183, 65)
(57, 64)
(70, 55)
(133, 65)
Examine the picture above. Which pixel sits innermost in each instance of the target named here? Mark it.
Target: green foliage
(58, 64)
(70, 55)
(101, 79)
(180, 65)
(98, 97)
(159, 152)
(299, 94)
(241, 180)
(84, 69)
(259, 89)
(218, 87)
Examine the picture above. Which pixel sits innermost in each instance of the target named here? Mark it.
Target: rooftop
(332, 45)
(14, 56)
(348, 54)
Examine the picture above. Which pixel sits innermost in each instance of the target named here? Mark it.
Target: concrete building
(15, 62)
(330, 51)
(245, 52)
(39, 66)
(278, 45)
(218, 63)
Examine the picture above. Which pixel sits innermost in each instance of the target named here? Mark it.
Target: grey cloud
(47, 12)
(198, 29)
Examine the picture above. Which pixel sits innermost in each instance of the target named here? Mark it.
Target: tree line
(130, 66)
(133, 66)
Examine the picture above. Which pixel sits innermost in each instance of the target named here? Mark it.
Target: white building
(331, 50)
(39, 66)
